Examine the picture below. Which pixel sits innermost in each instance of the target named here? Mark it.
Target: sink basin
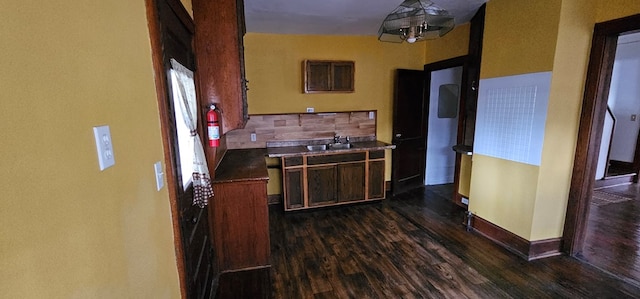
(340, 145)
(317, 147)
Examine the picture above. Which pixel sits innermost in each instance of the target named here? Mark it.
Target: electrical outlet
(465, 201)
(104, 146)
(310, 110)
(253, 137)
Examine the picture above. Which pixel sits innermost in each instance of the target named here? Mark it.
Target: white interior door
(442, 130)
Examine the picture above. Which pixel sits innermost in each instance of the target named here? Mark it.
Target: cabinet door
(376, 179)
(293, 189)
(321, 182)
(350, 182)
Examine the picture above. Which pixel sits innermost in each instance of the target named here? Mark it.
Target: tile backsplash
(302, 126)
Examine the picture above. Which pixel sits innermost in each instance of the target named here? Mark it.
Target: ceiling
(335, 17)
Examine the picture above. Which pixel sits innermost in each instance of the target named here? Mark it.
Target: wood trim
(441, 65)
(155, 36)
(636, 158)
(613, 129)
(614, 180)
(602, 57)
(274, 199)
(544, 248)
(523, 248)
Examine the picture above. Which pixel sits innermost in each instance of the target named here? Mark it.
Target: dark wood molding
(544, 248)
(523, 248)
(614, 180)
(441, 65)
(602, 57)
(155, 37)
(274, 199)
(447, 63)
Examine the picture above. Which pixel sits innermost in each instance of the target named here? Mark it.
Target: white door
(442, 128)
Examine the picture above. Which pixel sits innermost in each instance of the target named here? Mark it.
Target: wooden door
(171, 30)
(409, 131)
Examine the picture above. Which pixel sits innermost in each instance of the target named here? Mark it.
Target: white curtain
(184, 90)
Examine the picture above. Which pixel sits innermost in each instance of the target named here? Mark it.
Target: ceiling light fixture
(415, 20)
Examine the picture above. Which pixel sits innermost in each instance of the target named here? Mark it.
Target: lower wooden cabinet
(332, 179)
(321, 184)
(351, 181)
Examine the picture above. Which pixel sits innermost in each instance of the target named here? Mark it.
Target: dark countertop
(242, 165)
(239, 165)
(289, 151)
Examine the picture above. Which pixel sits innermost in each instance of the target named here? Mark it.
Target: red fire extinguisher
(213, 127)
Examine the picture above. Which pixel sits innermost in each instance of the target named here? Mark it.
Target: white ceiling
(335, 17)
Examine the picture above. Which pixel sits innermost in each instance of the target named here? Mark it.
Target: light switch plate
(104, 146)
(157, 167)
(310, 110)
(372, 114)
(253, 137)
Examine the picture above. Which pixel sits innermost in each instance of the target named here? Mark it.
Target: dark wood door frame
(171, 32)
(460, 61)
(594, 105)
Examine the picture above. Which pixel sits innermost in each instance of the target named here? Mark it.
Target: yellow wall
(188, 6)
(561, 44)
(274, 70)
(519, 37)
(68, 230)
(454, 44)
(561, 130)
(615, 9)
(515, 42)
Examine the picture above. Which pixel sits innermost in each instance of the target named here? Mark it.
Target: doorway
(612, 225)
(442, 127)
(594, 110)
(171, 32)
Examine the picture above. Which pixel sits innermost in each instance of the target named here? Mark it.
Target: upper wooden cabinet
(328, 76)
(219, 49)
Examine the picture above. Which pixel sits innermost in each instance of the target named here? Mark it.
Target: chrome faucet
(347, 138)
(336, 139)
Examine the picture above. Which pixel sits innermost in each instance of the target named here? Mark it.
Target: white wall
(624, 97)
(442, 132)
(604, 147)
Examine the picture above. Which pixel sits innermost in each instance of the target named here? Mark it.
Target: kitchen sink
(340, 145)
(317, 147)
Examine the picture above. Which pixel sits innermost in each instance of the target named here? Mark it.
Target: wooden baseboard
(274, 199)
(614, 180)
(528, 250)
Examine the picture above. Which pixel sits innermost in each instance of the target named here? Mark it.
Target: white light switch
(253, 137)
(310, 109)
(372, 114)
(104, 147)
(157, 167)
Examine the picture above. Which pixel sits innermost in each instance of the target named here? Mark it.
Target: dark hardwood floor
(415, 246)
(612, 242)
